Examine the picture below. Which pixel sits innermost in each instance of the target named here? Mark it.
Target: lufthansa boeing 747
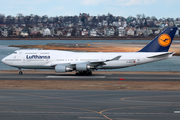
(85, 62)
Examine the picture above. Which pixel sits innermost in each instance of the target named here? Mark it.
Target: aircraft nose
(3, 60)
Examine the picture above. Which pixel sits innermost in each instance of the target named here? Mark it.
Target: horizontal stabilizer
(161, 55)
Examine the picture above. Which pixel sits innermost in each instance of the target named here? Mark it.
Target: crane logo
(164, 40)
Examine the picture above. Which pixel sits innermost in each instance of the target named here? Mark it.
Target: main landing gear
(20, 72)
(84, 73)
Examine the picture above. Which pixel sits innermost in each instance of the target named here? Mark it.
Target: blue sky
(125, 8)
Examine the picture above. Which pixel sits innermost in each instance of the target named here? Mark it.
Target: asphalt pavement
(89, 105)
(95, 77)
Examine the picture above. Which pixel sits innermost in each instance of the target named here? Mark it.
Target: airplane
(86, 62)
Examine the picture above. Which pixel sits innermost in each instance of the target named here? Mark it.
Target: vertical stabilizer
(162, 42)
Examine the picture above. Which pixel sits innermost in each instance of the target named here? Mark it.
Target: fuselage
(48, 59)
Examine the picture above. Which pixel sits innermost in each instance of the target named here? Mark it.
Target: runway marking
(152, 101)
(177, 112)
(91, 118)
(75, 77)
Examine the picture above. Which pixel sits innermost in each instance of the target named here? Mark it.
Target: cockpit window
(15, 53)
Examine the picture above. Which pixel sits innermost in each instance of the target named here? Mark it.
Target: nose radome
(3, 60)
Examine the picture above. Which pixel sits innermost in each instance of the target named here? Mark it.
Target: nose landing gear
(20, 72)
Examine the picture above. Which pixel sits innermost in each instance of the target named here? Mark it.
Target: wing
(93, 64)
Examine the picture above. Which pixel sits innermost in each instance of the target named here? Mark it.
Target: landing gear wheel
(90, 73)
(84, 73)
(77, 73)
(20, 72)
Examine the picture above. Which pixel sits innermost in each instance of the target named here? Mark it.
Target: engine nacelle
(83, 67)
(62, 69)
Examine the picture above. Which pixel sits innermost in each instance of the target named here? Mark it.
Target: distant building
(158, 24)
(17, 32)
(13, 32)
(177, 32)
(177, 23)
(157, 32)
(109, 32)
(124, 24)
(4, 32)
(46, 32)
(68, 34)
(104, 23)
(100, 32)
(93, 32)
(116, 24)
(59, 33)
(130, 31)
(99, 24)
(171, 24)
(145, 31)
(121, 31)
(25, 32)
(84, 32)
(34, 31)
(80, 23)
(138, 32)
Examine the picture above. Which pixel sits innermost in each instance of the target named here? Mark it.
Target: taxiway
(89, 105)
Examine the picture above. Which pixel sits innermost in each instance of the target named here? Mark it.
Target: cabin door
(138, 60)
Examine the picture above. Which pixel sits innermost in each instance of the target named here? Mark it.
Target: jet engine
(83, 67)
(62, 69)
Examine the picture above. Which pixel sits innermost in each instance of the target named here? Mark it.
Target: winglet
(162, 42)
